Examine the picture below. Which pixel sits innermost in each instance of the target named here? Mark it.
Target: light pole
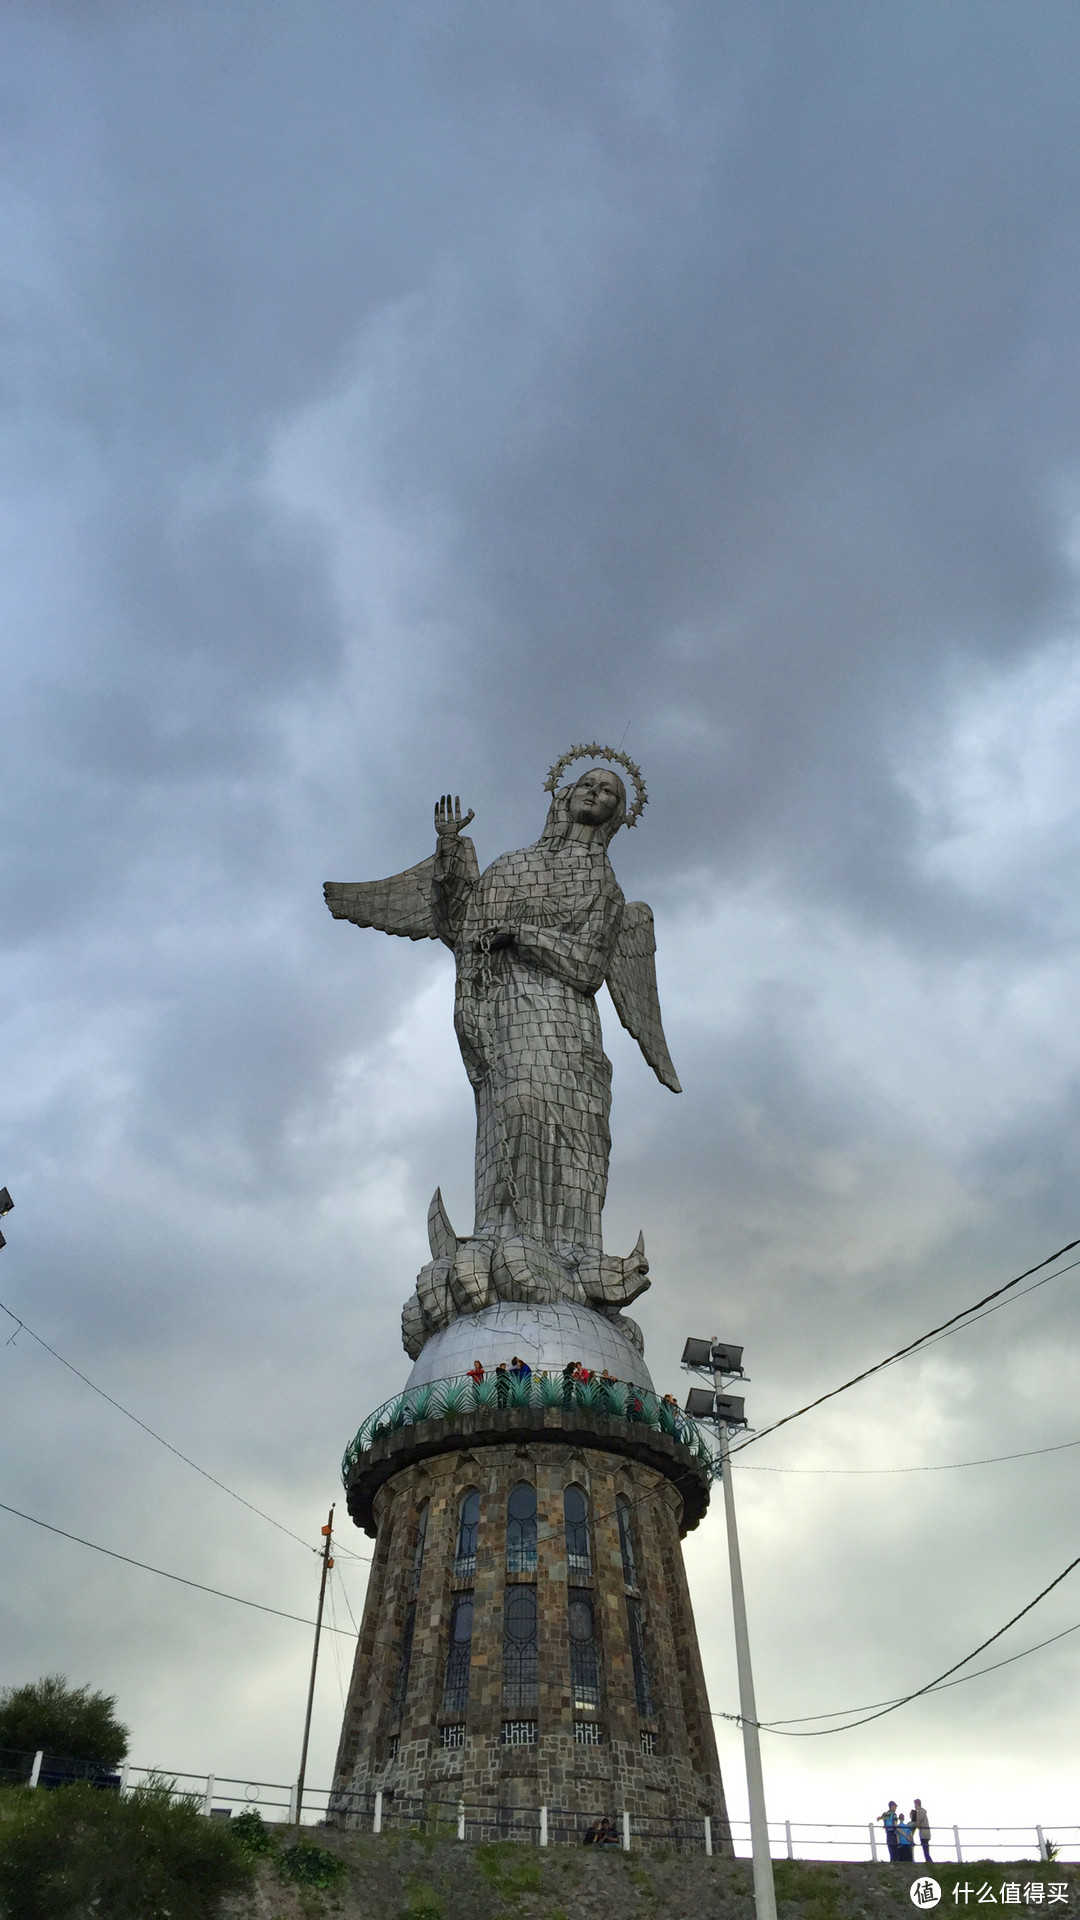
(726, 1411)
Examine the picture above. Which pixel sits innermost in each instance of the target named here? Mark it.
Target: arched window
(405, 1658)
(521, 1653)
(642, 1687)
(468, 1523)
(521, 1529)
(584, 1653)
(635, 1625)
(458, 1655)
(576, 1521)
(626, 1542)
(408, 1628)
(418, 1547)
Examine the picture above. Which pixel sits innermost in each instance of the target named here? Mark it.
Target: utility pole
(726, 1411)
(764, 1889)
(327, 1563)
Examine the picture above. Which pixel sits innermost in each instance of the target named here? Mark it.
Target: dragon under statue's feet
(464, 1276)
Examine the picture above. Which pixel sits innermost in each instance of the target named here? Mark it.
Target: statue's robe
(529, 1032)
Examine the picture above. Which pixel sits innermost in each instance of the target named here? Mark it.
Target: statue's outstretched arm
(455, 870)
(420, 903)
(631, 979)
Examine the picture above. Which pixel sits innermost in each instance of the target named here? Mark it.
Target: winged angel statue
(534, 936)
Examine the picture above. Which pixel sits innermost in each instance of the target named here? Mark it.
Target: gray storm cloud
(393, 396)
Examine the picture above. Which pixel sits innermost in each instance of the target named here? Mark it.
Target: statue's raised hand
(448, 817)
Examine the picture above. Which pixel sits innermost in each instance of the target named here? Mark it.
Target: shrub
(310, 1866)
(75, 1852)
(71, 1722)
(252, 1832)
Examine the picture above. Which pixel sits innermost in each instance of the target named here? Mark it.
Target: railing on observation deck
(456, 1399)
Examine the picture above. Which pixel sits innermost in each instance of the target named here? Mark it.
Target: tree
(69, 1722)
(148, 1856)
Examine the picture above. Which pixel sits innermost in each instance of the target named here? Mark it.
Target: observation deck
(442, 1416)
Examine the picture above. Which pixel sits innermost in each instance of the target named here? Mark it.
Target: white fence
(222, 1796)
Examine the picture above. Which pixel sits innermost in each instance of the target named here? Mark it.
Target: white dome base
(548, 1337)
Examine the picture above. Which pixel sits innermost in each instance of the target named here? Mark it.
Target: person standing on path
(905, 1839)
(889, 1819)
(920, 1820)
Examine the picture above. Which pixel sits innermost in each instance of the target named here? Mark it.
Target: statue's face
(595, 797)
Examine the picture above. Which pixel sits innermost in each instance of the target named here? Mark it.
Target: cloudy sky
(393, 395)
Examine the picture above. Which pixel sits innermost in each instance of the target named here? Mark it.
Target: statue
(534, 936)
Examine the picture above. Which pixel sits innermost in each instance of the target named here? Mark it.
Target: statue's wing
(631, 980)
(401, 904)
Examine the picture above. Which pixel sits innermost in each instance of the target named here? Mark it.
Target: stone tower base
(528, 1638)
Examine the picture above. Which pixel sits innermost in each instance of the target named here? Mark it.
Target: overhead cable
(787, 1731)
(942, 1466)
(961, 1680)
(923, 1340)
(180, 1578)
(21, 1327)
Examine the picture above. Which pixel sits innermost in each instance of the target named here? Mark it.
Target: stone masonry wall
(400, 1749)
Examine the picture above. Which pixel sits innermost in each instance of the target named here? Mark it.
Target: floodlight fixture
(713, 1356)
(700, 1402)
(730, 1409)
(697, 1353)
(6, 1201)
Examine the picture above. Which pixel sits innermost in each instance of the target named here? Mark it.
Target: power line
(923, 1340)
(772, 1726)
(932, 1341)
(814, 1733)
(337, 1630)
(348, 1605)
(366, 1557)
(21, 1327)
(180, 1578)
(943, 1466)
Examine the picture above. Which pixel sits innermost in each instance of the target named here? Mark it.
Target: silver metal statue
(534, 936)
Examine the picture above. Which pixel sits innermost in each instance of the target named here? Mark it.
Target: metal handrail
(451, 1399)
(554, 1825)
